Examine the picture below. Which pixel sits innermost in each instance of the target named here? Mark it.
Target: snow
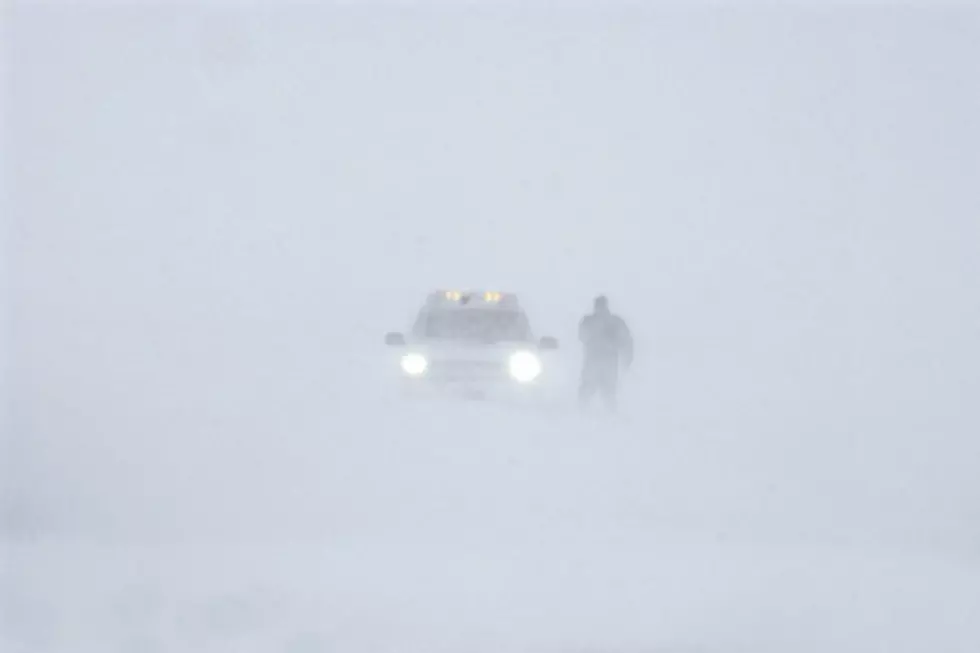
(217, 214)
(512, 534)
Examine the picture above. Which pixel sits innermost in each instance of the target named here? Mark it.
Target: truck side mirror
(395, 339)
(548, 342)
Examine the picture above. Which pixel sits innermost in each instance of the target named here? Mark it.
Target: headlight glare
(414, 364)
(525, 366)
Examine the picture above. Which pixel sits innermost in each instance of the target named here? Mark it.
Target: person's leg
(610, 385)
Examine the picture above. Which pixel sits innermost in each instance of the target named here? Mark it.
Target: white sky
(783, 203)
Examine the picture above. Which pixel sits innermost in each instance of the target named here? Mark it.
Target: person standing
(608, 345)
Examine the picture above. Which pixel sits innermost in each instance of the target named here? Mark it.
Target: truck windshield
(485, 326)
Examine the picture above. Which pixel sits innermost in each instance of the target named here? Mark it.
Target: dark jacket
(606, 338)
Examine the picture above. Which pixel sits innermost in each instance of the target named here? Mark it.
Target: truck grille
(466, 369)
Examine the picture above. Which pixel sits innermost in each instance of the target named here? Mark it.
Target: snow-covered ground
(341, 521)
(218, 214)
(435, 528)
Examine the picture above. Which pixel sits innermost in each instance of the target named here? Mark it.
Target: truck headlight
(525, 366)
(414, 364)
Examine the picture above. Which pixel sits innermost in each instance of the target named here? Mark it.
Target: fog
(214, 213)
